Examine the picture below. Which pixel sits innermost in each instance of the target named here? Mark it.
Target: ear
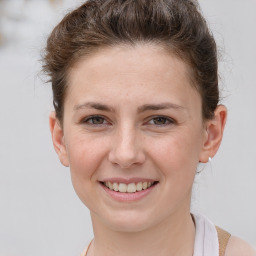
(213, 134)
(58, 139)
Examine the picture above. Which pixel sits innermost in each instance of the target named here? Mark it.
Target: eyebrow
(93, 105)
(161, 106)
(143, 108)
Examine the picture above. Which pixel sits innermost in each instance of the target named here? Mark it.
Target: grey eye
(160, 120)
(96, 120)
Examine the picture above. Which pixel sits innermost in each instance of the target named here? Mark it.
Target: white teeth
(144, 185)
(128, 188)
(131, 188)
(122, 187)
(115, 186)
(149, 184)
(110, 185)
(139, 186)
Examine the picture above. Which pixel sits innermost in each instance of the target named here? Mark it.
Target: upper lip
(127, 180)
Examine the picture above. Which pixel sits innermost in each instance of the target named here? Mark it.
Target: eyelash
(167, 121)
(89, 121)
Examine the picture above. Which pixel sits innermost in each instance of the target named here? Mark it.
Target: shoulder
(238, 247)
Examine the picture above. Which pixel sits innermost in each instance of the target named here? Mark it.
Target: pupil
(97, 120)
(159, 120)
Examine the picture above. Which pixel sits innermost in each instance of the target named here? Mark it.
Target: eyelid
(170, 120)
(86, 119)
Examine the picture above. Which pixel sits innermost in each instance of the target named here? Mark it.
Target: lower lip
(128, 197)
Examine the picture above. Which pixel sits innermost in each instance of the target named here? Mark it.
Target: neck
(173, 237)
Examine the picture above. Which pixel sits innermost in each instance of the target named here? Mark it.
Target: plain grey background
(39, 211)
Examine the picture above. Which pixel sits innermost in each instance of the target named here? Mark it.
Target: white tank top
(206, 239)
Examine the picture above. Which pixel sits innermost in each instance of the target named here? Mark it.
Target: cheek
(85, 155)
(177, 155)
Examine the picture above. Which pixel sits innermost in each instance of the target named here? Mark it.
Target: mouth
(130, 187)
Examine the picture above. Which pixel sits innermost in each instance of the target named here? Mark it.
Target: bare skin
(237, 247)
(132, 113)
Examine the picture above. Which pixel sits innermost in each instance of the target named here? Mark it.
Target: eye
(95, 120)
(161, 121)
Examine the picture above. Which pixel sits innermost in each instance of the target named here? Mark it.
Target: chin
(130, 226)
(125, 221)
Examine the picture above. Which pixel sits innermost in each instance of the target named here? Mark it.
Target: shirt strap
(223, 237)
(84, 253)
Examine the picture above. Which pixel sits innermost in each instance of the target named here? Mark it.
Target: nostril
(126, 158)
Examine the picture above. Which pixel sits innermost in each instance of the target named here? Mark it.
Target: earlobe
(58, 139)
(214, 129)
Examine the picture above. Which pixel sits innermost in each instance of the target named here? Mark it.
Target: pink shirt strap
(84, 253)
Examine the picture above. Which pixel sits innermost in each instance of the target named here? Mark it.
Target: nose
(127, 148)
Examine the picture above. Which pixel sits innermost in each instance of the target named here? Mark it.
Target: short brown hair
(178, 25)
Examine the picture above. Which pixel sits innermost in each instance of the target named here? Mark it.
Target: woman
(135, 87)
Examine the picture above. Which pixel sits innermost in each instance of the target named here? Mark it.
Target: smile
(129, 188)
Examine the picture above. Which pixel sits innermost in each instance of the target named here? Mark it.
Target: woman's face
(131, 116)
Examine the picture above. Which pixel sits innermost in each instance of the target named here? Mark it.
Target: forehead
(148, 71)
(132, 54)
(125, 59)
